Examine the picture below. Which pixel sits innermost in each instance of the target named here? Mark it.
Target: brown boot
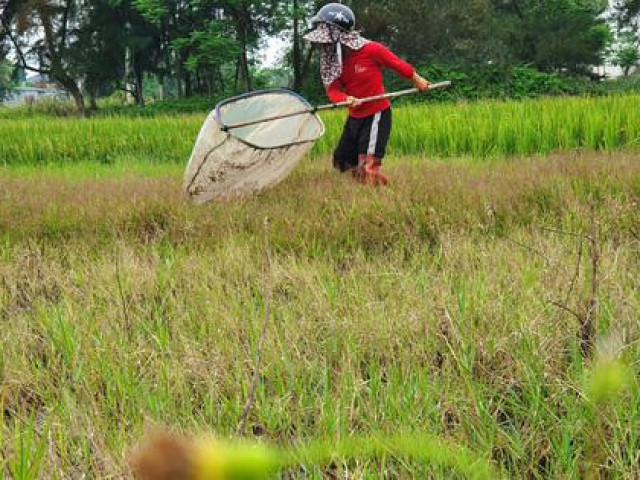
(359, 173)
(373, 172)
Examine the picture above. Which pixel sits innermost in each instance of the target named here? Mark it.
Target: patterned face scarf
(331, 39)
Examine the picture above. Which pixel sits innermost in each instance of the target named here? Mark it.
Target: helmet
(335, 14)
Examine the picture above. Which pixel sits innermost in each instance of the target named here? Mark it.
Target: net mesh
(246, 160)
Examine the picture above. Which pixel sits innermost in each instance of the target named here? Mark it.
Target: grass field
(444, 305)
(489, 129)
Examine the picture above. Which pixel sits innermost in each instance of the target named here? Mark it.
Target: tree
(100, 60)
(142, 41)
(44, 36)
(251, 19)
(206, 36)
(92, 47)
(627, 53)
(627, 14)
(209, 50)
(6, 71)
(458, 31)
(7, 13)
(556, 35)
(301, 51)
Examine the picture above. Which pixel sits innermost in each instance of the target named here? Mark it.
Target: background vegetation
(488, 129)
(172, 48)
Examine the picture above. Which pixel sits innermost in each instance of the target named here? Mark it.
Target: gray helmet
(335, 14)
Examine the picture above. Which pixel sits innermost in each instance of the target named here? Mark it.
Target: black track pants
(363, 136)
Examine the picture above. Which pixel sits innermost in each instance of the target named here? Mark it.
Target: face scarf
(331, 39)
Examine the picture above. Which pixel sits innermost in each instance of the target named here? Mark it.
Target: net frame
(227, 163)
(310, 110)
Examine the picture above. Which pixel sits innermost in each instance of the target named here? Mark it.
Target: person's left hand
(420, 83)
(354, 101)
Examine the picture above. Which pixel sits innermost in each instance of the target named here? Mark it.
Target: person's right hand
(354, 101)
(420, 83)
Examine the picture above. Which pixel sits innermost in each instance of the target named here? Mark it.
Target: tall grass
(483, 129)
(42, 140)
(527, 127)
(424, 308)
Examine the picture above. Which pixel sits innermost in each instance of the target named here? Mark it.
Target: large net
(242, 161)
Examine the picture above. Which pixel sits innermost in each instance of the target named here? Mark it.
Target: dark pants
(363, 136)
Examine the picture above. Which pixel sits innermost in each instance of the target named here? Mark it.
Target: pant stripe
(373, 139)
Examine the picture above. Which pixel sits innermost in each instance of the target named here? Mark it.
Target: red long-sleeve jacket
(362, 77)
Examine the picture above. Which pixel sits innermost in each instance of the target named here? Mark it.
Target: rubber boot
(359, 173)
(371, 171)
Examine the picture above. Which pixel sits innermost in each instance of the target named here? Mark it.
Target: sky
(273, 51)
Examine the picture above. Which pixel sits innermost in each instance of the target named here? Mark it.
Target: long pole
(331, 106)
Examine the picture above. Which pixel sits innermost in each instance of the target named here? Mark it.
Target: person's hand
(420, 83)
(354, 102)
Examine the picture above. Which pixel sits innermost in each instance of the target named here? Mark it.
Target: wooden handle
(386, 96)
(331, 106)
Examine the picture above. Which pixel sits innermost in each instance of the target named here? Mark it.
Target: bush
(499, 83)
(52, 107)
(484, 82)
(623, 85)
(177, 106)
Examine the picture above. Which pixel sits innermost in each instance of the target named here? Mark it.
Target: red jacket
(362, 77)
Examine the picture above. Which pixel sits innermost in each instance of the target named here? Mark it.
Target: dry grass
(426, 197)
(426, 306)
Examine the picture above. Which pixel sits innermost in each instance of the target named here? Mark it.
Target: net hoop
(246, 160)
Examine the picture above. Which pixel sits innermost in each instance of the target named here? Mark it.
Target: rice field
(481, 130)
(448, 306)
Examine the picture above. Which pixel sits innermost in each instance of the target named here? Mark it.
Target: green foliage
(627, 58)
(497, 82)
(626, 13)
(556, 35)
(553, 36)
(429, 30)
(155, 11)
(211, 48)
(626, 55)
(207, 47)
(481, 129)
(6, 74)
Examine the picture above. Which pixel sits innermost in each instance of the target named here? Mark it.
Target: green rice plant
(480, 130)
(43, 141)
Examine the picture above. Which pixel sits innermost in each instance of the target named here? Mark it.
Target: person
(351, 68)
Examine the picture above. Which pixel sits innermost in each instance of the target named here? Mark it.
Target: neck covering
(332, 39)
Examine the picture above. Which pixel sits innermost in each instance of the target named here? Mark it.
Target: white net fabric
(246, 160)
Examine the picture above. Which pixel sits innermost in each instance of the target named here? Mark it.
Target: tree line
(93, 48)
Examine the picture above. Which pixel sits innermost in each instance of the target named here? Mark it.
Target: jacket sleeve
(387, 59)
(336, 93)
